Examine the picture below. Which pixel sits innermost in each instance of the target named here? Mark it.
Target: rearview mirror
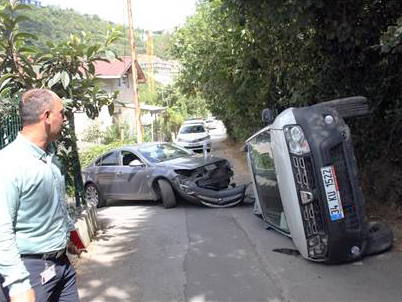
(267, 116)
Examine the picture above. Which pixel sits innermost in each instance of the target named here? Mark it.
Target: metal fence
(9, 129)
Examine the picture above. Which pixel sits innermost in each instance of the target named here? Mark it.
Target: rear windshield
(192, 129)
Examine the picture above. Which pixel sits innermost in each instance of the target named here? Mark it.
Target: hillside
(51, 23)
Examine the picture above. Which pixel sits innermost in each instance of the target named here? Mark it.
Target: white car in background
(194, 136)
(195, 121)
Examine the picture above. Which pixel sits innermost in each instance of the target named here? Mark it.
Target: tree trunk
(75, 165)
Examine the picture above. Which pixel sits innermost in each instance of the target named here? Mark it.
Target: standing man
(34, 223)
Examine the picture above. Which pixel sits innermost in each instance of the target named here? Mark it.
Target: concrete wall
(87, 226)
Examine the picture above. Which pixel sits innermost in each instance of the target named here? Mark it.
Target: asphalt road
(147, 253)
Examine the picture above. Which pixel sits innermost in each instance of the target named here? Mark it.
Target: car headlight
(296, 140)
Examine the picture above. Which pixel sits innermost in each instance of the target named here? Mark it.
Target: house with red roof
(115, 75)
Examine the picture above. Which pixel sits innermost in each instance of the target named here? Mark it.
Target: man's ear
(46, 115)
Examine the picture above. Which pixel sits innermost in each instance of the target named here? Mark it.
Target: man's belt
(45, 256)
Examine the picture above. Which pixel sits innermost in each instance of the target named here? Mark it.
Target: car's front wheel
(380, 238)
(92, 196)
(167, 194)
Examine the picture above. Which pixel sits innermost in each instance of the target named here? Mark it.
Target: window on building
(123, 82)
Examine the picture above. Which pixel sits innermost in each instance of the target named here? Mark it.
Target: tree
(66, 67)
(243, 56)
(69, 70)
(15, 66)
(225, 62)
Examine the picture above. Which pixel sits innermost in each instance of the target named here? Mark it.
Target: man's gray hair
(33, 103)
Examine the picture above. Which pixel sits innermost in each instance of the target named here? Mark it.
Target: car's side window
(109, 159)
(127, 157)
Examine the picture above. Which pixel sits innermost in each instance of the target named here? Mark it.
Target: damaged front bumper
(212, 198)
(209, 185)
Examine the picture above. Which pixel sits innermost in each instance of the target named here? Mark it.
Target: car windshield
(161, 152)
(192, 129)
(266, 183)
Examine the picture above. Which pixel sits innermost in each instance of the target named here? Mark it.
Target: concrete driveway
(189, 253)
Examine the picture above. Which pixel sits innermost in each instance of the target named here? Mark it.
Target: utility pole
(134, 72)
(150, 69)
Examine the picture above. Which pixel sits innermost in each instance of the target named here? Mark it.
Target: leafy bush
(112, 134)
(92, 133)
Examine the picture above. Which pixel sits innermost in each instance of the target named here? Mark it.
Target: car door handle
(119, 173)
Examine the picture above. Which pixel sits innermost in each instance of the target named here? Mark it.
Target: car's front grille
(312, 219)
(193, 140)
(303, 170)
(345, 190)
(304, 175)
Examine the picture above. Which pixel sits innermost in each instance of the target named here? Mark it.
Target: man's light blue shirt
(33, 210)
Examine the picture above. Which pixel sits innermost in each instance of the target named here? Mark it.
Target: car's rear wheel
(92, 196)
(349, 107)
(167, 194)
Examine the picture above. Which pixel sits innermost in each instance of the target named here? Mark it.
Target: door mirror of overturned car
(267, 116)
(136, 163)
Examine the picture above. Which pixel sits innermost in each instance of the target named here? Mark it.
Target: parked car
(210, 123)
(161, 171)
(194, 137)
(306, 184)
(194, 121)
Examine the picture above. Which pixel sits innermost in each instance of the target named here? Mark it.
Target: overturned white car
(305, 181)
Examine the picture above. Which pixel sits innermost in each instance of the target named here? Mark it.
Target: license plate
(332, 193)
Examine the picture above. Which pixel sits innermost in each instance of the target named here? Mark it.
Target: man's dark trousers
(3, 291)
(61, 288)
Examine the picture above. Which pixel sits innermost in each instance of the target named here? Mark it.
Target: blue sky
(147, 14)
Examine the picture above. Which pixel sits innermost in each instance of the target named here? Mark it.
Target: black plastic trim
(321, 138)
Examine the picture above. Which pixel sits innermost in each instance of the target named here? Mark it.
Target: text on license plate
(332, 193)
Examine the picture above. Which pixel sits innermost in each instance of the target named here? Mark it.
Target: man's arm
(16, 277)
(27, 296)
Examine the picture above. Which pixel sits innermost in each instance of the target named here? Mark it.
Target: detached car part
(306, 185)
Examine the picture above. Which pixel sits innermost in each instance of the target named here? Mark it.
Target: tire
(92, 196)
(349, 107)
(380, 238)
(167, 194)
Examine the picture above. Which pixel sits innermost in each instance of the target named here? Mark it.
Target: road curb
(87, 225)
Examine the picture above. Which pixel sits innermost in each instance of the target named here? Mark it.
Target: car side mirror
(136, 163)
(267, 116)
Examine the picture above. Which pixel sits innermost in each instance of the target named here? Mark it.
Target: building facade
(32, 2)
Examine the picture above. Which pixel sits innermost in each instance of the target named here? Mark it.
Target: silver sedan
(161, 171)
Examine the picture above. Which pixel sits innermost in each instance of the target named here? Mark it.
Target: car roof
(138, 146)
(192, 125)
(193, 121)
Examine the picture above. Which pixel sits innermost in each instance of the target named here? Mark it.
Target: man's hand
(27, 296)
(72, 249)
